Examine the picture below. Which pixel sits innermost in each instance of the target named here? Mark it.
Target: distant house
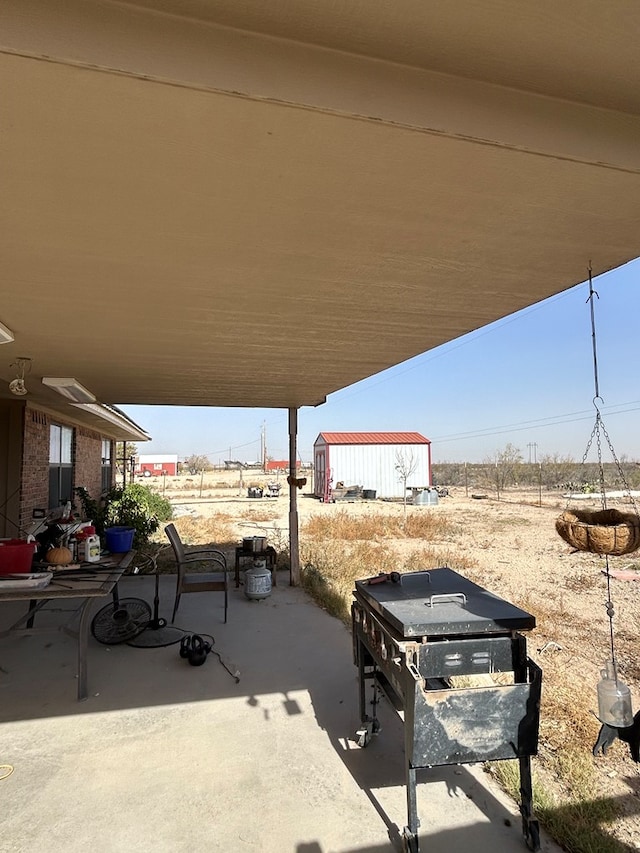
(371, 460)
(157, 465)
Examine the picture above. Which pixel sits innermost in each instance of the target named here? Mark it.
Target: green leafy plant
(134, 506)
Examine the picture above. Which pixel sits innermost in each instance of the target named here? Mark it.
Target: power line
(489, 431)
(235, 447)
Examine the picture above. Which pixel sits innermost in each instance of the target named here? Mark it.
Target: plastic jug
(614, 698)
(89, 549)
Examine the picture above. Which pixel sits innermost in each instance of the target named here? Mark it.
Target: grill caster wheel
(409, 841)
(532, 837)
(364, 734)
(368, 729)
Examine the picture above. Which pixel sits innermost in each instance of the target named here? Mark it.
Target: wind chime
(609, 533)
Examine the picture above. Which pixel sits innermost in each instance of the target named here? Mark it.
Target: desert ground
(511, 547)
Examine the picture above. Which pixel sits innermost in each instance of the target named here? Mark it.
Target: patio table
(85, 588)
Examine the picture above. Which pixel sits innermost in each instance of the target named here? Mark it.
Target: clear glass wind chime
(608, 532)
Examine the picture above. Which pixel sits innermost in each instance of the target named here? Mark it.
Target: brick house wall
(86, 456)
(87, 470)
(35, 465)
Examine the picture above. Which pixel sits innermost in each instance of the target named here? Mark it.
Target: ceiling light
(6, 335)
(69, 388)
(17, 386)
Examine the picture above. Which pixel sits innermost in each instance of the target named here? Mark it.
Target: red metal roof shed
(383, 464)
(373, 438)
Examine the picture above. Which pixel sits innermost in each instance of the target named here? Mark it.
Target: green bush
(155, 503)
(134, 506)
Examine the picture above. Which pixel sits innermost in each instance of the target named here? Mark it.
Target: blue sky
(527, 380)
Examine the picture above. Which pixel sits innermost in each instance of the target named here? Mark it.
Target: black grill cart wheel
(532, 837)
(409, 841)
(363, 737)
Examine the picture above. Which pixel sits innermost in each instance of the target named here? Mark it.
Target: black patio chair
(216, 581)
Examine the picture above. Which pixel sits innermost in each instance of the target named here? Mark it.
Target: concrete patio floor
(164, 756)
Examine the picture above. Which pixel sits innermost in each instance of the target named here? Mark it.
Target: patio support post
(294, 552)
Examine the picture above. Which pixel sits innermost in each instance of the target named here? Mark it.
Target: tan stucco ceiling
(197, 215)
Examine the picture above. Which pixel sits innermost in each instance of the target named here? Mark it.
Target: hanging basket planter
(606, 531)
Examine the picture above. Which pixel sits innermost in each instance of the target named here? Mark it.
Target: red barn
(157, 466)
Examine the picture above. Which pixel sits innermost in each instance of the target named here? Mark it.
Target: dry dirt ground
(511, 547)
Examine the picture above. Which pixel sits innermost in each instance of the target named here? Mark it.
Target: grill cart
(414, 636)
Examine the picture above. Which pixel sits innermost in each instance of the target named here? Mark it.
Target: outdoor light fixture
(69, 388)
(17, 386)
(6, 335)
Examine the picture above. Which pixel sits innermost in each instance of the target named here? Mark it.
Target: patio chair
(217, 581)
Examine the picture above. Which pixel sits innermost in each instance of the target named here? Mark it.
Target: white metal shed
(371, 460)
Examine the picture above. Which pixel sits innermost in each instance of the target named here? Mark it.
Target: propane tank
(257, 580)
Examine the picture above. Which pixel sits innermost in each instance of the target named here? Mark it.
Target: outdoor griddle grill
(414, 635)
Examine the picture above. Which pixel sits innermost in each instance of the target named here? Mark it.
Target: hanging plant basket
(606, 531)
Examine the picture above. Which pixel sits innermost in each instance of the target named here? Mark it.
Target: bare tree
(406, 465)
(197, 463)
(557, 471)
(503, 467)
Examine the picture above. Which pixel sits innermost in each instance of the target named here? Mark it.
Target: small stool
(269, 554)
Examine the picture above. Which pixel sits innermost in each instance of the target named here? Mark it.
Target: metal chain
(599, 428)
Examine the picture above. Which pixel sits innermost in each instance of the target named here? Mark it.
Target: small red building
(277, 465)
(157, 466)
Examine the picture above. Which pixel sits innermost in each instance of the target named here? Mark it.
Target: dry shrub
(431, 558)
(343, 526)
(258, 513)
(218, 529)
(583, 580)
(330, 567)
(425, 525)
(498, 525)
(375, 526)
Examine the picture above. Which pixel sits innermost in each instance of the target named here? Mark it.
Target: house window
(107, 464)
(60, 465)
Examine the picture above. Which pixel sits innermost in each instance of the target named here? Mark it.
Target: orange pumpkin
(59, 556)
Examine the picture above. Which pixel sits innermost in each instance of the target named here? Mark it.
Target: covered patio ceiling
(235, 203)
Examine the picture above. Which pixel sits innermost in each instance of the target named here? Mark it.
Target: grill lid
(440, 602)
